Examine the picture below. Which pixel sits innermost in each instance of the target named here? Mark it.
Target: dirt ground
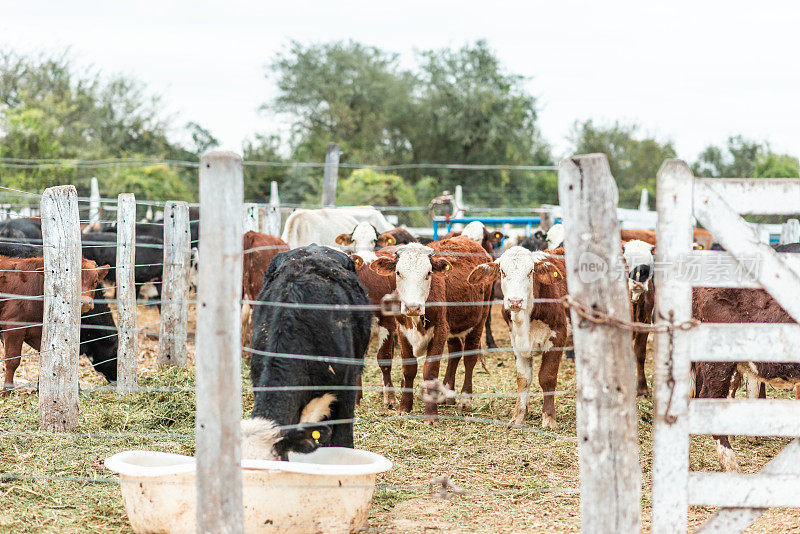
(515, 479)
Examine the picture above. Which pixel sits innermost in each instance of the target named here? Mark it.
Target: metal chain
(598, 317)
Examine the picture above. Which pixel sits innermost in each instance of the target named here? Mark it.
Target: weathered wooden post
(127, 349)
(331, 176)
(547, 218)
(58, 357)
(644, 200)
(607, 419)
(672, 366)
(272, 221)
(790, 232)
(250, 218)
(219, 381)
(175, 286)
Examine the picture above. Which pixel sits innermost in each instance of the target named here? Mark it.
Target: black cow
(20, 248)
(787, 247)
(307, 275)
(22, 228)
(534, 242)
(102, 248)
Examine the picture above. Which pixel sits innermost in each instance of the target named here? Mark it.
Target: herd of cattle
(338, 279)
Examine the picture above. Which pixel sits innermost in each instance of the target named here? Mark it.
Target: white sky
(693, 72)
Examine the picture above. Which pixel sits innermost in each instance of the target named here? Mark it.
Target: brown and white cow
(713, 380)
(384, 326)
(364, 239)
(640, 263)
(425, 277)
(258, 251)
(536, 326)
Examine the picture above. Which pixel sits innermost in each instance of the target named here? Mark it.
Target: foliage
(736, 160)
(369, 187)
(774, 165)
(634, 159)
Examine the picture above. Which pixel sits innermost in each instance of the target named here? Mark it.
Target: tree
(346, 92)
(773, 165)
(373, 188)
(736, 160)
(634, 160)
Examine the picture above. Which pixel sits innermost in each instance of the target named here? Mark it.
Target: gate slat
(742, 242)
(748, 196)
(744, 490)
(729, 520)
(745, 417)
(744, 342)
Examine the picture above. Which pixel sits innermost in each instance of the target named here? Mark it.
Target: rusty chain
(598, 317)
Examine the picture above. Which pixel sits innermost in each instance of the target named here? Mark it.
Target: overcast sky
(693, 72)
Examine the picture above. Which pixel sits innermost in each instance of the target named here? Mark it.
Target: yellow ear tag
(555, 274)
(315, 434)
(447, 267)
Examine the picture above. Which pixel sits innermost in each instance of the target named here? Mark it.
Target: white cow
(322, 226)
(363, 240)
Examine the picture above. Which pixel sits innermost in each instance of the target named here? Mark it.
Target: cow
(21, 248)
(102, 248)
(330, 343)
(640, 264)
(426, 276)
(648, 236)
(490, 241)
(364, 239)
(98, 330)
(22, 228)
(259, 250)
(715, 379)
(25, 277)
(322, 226)
(401, 236)
(535, 325)
(536, 241)
(384, 327)
(555, 236)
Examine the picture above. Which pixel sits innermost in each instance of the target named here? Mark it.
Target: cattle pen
(616, 462)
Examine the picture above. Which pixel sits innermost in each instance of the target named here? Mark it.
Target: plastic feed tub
(329, 490)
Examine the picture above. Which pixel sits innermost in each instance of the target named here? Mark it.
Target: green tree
(370, 187)
(634, 159)
(773, 165)
(736, 160)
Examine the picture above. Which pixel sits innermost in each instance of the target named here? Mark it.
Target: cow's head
(555, 236)
(640, 262)
(91, 275)
(521, 272)
(364, 238)
(414, 266)
(263, 439)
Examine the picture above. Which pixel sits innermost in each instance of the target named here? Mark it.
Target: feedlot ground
(517, 480)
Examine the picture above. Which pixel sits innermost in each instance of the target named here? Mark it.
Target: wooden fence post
(674, 204)
(331, 176)
(250, 218)
(175, 286)
(219, 380)
(271, 223)
(790, 232)
(127, 349)
(547, 218)
(607, 419)
(58, 359)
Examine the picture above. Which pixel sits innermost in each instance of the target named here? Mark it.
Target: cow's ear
(547, 273)
(485, 273)
(385, 240)
(344, 239)
(498, 236)
(384, 265)
(358, 260)
(440, 265)
(538, 234)
(102, 271)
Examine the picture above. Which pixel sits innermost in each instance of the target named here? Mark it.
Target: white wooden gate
(717, 204)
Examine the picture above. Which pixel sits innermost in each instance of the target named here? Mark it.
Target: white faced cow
(364, 239)
(536, 326)
(640, 263)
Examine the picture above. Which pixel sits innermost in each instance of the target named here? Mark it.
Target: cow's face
(364, 238)
(414, 266)
(475, 231)
(640, 262)
(91, 275)
(555, 236)
(520, 271)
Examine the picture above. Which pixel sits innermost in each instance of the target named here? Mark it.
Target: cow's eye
(399, 275)
(427, 276)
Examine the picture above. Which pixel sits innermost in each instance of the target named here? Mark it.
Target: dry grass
(517, 479)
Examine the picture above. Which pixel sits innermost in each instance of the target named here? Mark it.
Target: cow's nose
(514, 304)
(413, 309)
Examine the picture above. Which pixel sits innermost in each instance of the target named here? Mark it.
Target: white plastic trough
(329, 490)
